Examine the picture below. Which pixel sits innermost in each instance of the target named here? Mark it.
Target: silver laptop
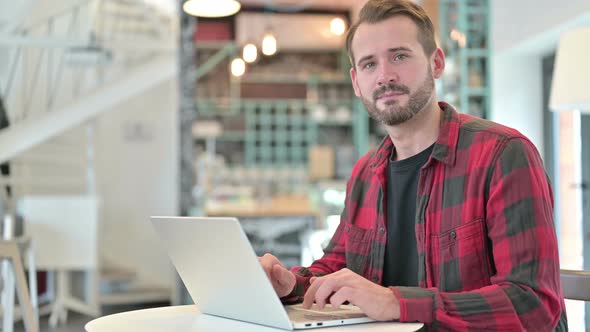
(224, 278)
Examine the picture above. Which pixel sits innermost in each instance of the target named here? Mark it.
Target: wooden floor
(77, 321)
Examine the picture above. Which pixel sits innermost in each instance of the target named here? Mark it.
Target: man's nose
(387, 74)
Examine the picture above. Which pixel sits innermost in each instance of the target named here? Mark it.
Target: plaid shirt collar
(444, 149)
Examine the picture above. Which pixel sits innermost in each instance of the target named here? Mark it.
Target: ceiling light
(250, 53)
(211, 8)
(337, 26)
(269, 44)
(238, 67)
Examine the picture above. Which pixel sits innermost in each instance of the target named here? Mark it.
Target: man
(449, 221)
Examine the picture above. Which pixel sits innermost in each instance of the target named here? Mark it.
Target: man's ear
(353, 78)
(437, 62)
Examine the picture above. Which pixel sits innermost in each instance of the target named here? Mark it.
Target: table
(187, 318)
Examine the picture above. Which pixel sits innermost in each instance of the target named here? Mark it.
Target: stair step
(142, 294)
(116, 275)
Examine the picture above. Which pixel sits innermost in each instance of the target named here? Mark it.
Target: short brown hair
(375, 11)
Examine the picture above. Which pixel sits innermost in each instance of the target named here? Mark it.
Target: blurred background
(115, 110)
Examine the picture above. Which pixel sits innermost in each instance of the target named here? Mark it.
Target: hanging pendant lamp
(211, 8)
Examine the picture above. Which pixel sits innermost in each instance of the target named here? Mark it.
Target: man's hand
(282, 279)
(376, 301)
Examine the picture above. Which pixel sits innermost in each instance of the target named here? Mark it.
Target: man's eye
(368, 65)
(400, 57)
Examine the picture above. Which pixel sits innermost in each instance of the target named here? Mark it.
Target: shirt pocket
(464, 261)
(358, 247)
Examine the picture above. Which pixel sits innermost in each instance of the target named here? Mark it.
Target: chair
(64, 230)
(575, 284)
(10, 253)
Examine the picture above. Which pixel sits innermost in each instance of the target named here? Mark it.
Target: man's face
(392, 75)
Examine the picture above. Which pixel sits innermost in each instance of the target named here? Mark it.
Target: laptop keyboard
(315, 313)
(327, 309)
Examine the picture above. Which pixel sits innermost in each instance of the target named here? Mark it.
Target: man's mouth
(389, 95)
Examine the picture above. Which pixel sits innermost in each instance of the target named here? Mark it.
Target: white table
(187, 318)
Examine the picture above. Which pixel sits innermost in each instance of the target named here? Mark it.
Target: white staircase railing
(67, 51)
(34, 130)
(62, 63)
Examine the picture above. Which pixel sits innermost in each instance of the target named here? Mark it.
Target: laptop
(224, 277)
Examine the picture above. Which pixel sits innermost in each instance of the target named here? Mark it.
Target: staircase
(62, 64)
(120, 286)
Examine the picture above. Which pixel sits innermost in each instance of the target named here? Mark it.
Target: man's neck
(418, 133)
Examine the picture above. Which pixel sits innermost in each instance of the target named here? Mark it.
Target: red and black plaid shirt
(487, 248)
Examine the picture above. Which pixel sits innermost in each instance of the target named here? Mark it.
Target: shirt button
(375, 278)
(382, 230)
(347, 229)
(453, 235)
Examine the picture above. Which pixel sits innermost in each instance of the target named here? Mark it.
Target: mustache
(390, 87)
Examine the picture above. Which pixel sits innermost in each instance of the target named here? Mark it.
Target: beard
(393, 113)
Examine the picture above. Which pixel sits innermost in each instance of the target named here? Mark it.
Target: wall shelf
(465, 39)
(279, 131)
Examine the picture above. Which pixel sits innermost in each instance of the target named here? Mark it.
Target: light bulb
(211, 8)
(250, 53)
(269, 44)
(238, 67)
(338, 26)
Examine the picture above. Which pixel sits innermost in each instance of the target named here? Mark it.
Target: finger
(273, 260)
(284, 281)
(277, 283)
(290, 281)
(281, 274)
(268, 261)
(309, 296)
(326, 289)
(342, 295)
(266, 270)
(265, 261)
(342, 278)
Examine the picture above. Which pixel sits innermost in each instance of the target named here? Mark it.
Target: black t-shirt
(401, 253)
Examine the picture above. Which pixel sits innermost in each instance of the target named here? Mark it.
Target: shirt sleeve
(525, 291)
